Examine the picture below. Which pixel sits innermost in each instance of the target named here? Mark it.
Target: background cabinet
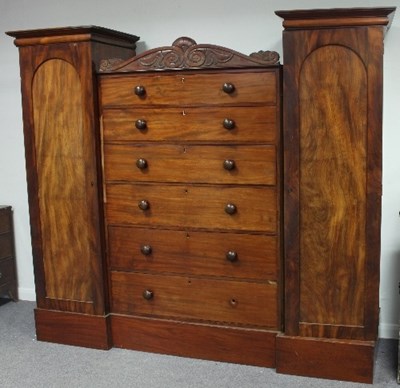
(8, 274)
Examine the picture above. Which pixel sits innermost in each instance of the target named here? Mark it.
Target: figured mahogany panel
(333, 145)
(191, 163)
(217, 300)
(190, 206)
(251, 124)
(67, 235)
(193, 252)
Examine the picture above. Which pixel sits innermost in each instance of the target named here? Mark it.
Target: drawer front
(250, 124)
(244, 256)
(222, 301)
(6, 245)
(190, 89)
(193, 206)
(6, 271)
(5, 221)
(197, 164)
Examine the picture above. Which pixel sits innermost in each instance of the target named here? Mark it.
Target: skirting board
(27, 294)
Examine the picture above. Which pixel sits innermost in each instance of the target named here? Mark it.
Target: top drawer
(185, 89)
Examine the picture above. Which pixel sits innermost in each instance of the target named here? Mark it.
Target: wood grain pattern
(195, 253)
(62, 181)
(188, 206)
(323, 358)
(191, 163)
(252, 124)
(210, 342)
(333, 133)
(331, 331)
(195, 298)
(187, 89)
(72, 329)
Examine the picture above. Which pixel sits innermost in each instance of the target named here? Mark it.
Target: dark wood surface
(191, 124)
(323, 358)
(191, 252)
(91, 331)
(324, 305)
(184, 143)
(332, 158)
(63, 163)
(219, 343)
(222, 300)
(347, 219)
(190, 89)
(185, 53)
(8, 273)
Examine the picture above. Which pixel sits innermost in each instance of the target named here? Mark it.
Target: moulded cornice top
(336, 17)
(65, 34)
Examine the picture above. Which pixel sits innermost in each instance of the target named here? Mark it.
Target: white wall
(245, 26)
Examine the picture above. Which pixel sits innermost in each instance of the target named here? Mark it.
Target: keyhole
(233, 302)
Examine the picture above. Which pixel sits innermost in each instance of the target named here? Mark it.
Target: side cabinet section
(62, 159)
(332, 113)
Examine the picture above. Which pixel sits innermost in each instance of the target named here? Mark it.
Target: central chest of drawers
(191, 188)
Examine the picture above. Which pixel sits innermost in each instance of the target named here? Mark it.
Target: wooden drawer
(185, 89)
(5, 219)
(193, 298)
(251, 124)
(193, 206)
(197, 164)
(7, 271)
(6, 245)
(194, 253)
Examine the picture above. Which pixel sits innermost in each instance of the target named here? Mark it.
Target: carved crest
(185, 53)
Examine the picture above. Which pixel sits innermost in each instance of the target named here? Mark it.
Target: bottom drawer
(235, 302)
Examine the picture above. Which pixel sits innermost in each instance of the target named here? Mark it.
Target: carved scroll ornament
(185, 53)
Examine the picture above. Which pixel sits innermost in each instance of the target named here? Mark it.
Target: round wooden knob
(230, 208)
(148, 294)
(141, 124)
(228, 88)
(141, 164)
(144, 204)
(140, 90)
(229, 164)
(146, 249)
(228, 123)
(231, 256)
